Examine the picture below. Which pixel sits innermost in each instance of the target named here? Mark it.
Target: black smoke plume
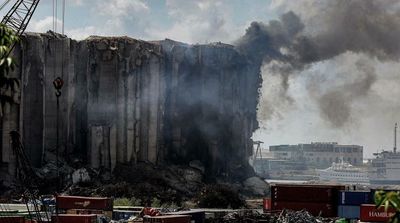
(288, 46)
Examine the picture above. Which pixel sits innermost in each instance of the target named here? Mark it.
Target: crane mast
(20, 14)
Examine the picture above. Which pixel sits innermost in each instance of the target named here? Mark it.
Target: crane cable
(54, 32)
(63, 17)
(55, 15)
(63, 44)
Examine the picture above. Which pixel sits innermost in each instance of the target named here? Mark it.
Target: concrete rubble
(285, 216)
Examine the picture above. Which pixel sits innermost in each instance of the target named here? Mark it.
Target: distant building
(271, 168)
(320, 155)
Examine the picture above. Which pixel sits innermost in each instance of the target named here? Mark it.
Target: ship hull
(385, 182)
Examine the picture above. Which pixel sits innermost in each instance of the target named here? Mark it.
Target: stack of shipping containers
(12, 219)
(327, 201)
(168, 219)
(316, 199)
(350, 202)
(82, 209)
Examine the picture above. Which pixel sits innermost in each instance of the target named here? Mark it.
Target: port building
(319, 154)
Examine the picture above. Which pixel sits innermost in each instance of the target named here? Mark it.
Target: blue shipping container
(348, 211)
(123, 215)
(196, 216)
(354, 197)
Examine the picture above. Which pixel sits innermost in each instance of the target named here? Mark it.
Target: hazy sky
(370, 114)
(185, 20)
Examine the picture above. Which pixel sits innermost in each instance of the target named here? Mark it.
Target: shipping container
(8, 212)
(73, 218)
(74, 202)
(354, 197)
(196, 216)
(334, 186)
(108, 214)
(349, 211)
(369, 213)
(302, 193)
(12, 219)
(167, 219)
(123, 215)
(18, 207)
(128, 208)
(322, 209)
(266, 204)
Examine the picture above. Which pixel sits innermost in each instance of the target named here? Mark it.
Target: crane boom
(20, 14)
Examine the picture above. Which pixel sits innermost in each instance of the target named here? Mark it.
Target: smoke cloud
(335, 105)
(290, 45)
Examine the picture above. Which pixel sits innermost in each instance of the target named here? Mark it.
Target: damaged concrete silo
(128, 101)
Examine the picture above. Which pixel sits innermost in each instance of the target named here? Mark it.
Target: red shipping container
(12, 219)
(333, 186)
(322, 209)
(74, 202)
(267, 204)
(108, 214)
(72, 218)
(168, 219)
(368, 212)
(314, 193)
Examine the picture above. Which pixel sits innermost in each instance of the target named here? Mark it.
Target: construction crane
(19, 16)
(17, 19)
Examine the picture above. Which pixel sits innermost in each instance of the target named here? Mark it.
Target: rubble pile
(285, 216)
(144, 183)
(219, 196)
(170, 184)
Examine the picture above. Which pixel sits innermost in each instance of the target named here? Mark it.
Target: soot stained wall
(126, 101)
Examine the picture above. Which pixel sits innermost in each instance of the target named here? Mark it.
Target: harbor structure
(319, 154)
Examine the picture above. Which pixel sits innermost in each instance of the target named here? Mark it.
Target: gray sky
(371, 113)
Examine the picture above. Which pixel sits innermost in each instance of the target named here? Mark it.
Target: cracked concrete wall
(126, 100)
(125, 91)
(211, 106)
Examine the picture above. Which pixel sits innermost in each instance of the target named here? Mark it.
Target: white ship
(344, 173)
(385, 168)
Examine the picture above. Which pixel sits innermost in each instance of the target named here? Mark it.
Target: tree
(389, 199)
(8, 85)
